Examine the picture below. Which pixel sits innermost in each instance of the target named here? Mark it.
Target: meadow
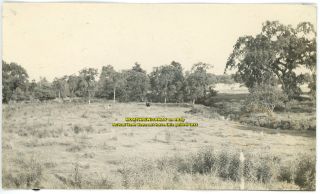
(73, 145)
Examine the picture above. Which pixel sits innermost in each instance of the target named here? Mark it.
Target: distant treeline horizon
(167, 83)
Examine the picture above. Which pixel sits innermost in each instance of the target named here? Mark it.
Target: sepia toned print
(159, 96)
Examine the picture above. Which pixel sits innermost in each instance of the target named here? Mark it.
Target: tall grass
(78, 179)
(223, 166)
(204, 169)
(29, 176)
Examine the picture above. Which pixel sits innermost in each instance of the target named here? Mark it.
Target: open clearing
(62, 136)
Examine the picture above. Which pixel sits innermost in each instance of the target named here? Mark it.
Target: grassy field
(75, 146)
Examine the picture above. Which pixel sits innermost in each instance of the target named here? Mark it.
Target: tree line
(167, 83)
(262, 63)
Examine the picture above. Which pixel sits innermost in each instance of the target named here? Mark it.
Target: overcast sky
(53, 40)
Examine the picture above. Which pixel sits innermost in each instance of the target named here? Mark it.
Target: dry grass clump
(29, 175)
(302, 173)
(305, 175)
(43, 131)
(77, 179)
(39, 130)
(80, 129)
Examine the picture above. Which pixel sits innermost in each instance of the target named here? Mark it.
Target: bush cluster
(224, 165)
(265, 120)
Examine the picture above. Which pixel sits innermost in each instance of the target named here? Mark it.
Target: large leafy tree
(111, 83)
(275, 53)
(72, 81)
(60, 85)
(87, 82)
(167, 83)
(176, 93)
(104, 83)
(44, 90)
(14, 80)
(198, 81)
(136, 84)
(32, 87)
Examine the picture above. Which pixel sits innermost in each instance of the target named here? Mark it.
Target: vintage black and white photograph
(159, 96)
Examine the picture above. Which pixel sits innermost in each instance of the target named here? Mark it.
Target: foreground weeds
(30, 175)
(207, 169)
(204, 169)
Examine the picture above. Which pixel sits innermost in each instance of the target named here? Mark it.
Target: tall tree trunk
(165, 93)
(59, 94)
(89, 96)
(193, 101)
(114, 95)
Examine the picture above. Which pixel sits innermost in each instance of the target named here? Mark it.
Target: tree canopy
(14, 79)
(274, 55)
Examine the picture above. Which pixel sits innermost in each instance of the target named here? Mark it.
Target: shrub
(181, 164)
(264, 173)
(77, 129)
(264, 98)
(74, 148)
(287, 173)
(305, 174)
(234, 169)
(223, 165)
(89, 129)
(299, 122)
(204, 161)
(76, 181)
(249, 170)
(208, 99)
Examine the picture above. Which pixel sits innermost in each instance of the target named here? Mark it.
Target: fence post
(241, 170)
